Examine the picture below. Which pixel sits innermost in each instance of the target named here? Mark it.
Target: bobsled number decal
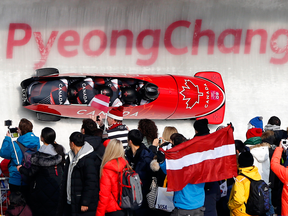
(191, 93)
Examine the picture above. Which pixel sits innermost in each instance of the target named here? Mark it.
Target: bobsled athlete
(110, 88)
(50, 92)
(82, 92)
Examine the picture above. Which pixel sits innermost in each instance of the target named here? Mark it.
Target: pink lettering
(11, 37)
(168, 34)
(64, 41)
(153, 50)
(250, 33)
(237, 38)
(129, 41)
(103, 43)
(276, 49)
(198, 34)
(44, 51)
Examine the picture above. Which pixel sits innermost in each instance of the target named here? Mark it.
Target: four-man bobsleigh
(53, 96)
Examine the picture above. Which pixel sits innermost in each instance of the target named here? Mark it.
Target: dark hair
(49, 136)
(77, 138)
(148, 128)
(177, 138)
(274, 120)
(99, 132)
(89, 126)
(25, 126)
(16, 199)
(136, 137)
(240, 146)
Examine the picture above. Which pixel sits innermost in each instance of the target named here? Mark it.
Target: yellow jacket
(240, 191)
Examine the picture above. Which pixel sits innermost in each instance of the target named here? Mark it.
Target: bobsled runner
(52, 95)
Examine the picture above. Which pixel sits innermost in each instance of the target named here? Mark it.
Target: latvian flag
(100, 102)
(202, 159)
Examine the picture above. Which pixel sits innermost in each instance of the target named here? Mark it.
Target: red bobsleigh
(53, 96)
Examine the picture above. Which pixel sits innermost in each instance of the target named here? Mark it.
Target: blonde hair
(168, 131)
(113, 150)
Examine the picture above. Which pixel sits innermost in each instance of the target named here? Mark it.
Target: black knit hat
(201, 126)
(245, 159)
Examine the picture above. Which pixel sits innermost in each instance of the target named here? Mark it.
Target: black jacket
(45, 176)
(96, 143)
(84, 183)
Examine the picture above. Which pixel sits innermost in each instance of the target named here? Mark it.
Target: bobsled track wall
(246, 41)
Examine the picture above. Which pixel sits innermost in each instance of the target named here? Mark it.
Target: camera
(160, 141)
(284, 143)
(13, 131)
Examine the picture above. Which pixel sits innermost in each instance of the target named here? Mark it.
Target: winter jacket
(96, 143)
(84, 181)
(241, 189)
(120, 132)
(260, 154)
(140, 162)
(45, 176)
(182, 199)
(282, 173)
(212, 195)
(109, 187)
(29, 140)
(19, 211)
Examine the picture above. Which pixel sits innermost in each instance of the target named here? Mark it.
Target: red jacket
(282, 173)
(109, 187)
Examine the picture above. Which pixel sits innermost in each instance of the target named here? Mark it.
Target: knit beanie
(116, 113)
(253, 141)
(245, 159)
(254, 132)
(256, 122)
(201, 126)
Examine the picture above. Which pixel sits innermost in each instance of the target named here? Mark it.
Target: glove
(231, 126)
(160, 156)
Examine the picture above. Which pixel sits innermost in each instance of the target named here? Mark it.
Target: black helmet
(150, 91)
(106, 90)
(128, 95)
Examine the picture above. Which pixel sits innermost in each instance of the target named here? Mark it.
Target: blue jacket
(7, 151)
(192, 196)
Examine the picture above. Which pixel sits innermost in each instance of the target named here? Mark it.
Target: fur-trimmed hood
(45, 160)
(260, 152)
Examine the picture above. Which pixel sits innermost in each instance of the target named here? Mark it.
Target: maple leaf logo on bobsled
(191, 93)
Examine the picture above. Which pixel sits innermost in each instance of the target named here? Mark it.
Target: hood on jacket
(116, 166)
(45, 160)
(85, 150)
(252, 172)
(48, 149)
(29, 140)
(260, 152)
(271, 127)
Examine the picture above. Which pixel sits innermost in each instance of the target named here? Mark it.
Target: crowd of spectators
(85, 180)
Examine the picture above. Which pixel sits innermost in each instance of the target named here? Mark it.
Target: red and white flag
(100, 102)
(202, 159)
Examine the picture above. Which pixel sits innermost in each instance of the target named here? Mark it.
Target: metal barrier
(4, 189)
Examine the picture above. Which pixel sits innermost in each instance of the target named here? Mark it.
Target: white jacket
(260, 154)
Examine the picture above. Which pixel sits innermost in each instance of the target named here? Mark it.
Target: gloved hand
(160, 156)
(231, 126)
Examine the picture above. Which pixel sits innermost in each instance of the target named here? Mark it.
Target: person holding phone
(282, 173)
(7, 151)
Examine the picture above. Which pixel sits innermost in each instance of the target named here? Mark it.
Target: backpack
(258, 200)
(130, 190)
(26, 161)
